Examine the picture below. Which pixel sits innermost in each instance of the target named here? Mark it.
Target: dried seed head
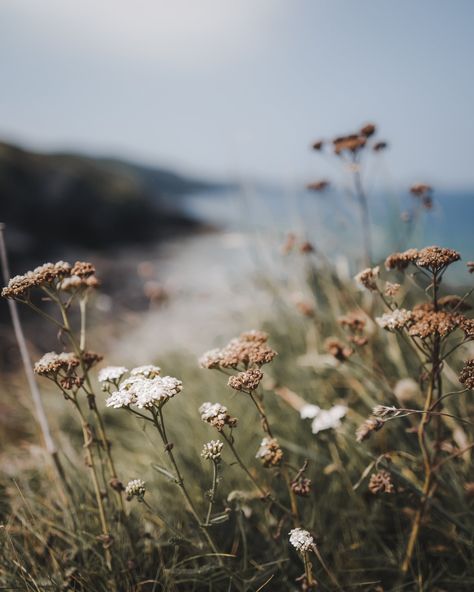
(135, 488)
(381, 482)
(401, 261)
(148, 371)
(52, 363)
(318, 186)
(397, 319)
(425, 323)
(217, 415)
(466, 377)
(301, 486)
(338, 349)
(467, 325)
(420, 189)
(246, 381)
(368, 130)
(391, 290)
(250, 349)
(212, 450)
(354, 321)
(270, 452)
(436, 258)
(368, 278)
(301, 540)
(369, 426)
(47, 274)
(379, 146)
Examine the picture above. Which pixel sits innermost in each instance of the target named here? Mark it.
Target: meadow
(327, 449)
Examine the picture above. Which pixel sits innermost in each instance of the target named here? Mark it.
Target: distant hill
(72, 199)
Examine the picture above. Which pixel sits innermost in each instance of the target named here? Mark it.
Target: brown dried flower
(466, 377)
(44, 275)
(306, 247)
(246, 381)
(83, 269)
(52, 363)
(401, 261)
(368, 130)
(420, 189)
(367, 277)
(301, 487)
(250, 349)
(270, 452)
(467, 325)
(436, 258)
(369, 426)
(391, 289)
(381, 482)
(379, 146)
(217, 416)
(318, 185)
(355, 321)
(426, 323)
(318, 145)
(338, 349)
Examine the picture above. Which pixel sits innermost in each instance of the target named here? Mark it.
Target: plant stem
(213, 491)
(158, 421)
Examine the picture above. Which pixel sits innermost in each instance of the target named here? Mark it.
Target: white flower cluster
(135, 488)
(213, 411)
(112, 373)
(212, 450)
(323, 419)
(144, 388)
(394, 320)
(301, 540)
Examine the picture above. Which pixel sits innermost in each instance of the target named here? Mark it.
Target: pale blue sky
(227, 87)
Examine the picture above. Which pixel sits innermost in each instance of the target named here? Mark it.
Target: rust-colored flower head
(247, 381)
(301, 487)
(420, 189)
(250, 349)
(436, 258)
(380, 146)
(369, 426)
(44, 275)
(381, 482)
(305, 307)
(401, 261)
(466, 377)
(306, 247)
(368, 130)
(318, 186)
(426, 323)
(270, 452)
(368, 278)
(338, 349)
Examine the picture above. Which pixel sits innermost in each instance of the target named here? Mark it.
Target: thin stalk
(212, 494)
(95, 481)
(329, 573)
(158, 420)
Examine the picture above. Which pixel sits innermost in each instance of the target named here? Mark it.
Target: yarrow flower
(301, 540)
(111, 373)
(212, 450)
(51, 363)
(368, 278)
(216, 415)
(270, 452)
(249, 349)
(148, 371)
(466, 377)
(145, 392)
(397, 319)
(135, 488)
(246, 381)
(381, 482)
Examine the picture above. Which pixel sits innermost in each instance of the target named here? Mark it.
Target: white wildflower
(148, 371)
(145, 392)
(301, 540)
(135, 488)
(120, 398)
(328, 419)
(210, 411)
(309, 411)
(111, 373)
(394, 320)
(212, 450)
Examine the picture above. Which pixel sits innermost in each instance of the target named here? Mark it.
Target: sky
(230, 88)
